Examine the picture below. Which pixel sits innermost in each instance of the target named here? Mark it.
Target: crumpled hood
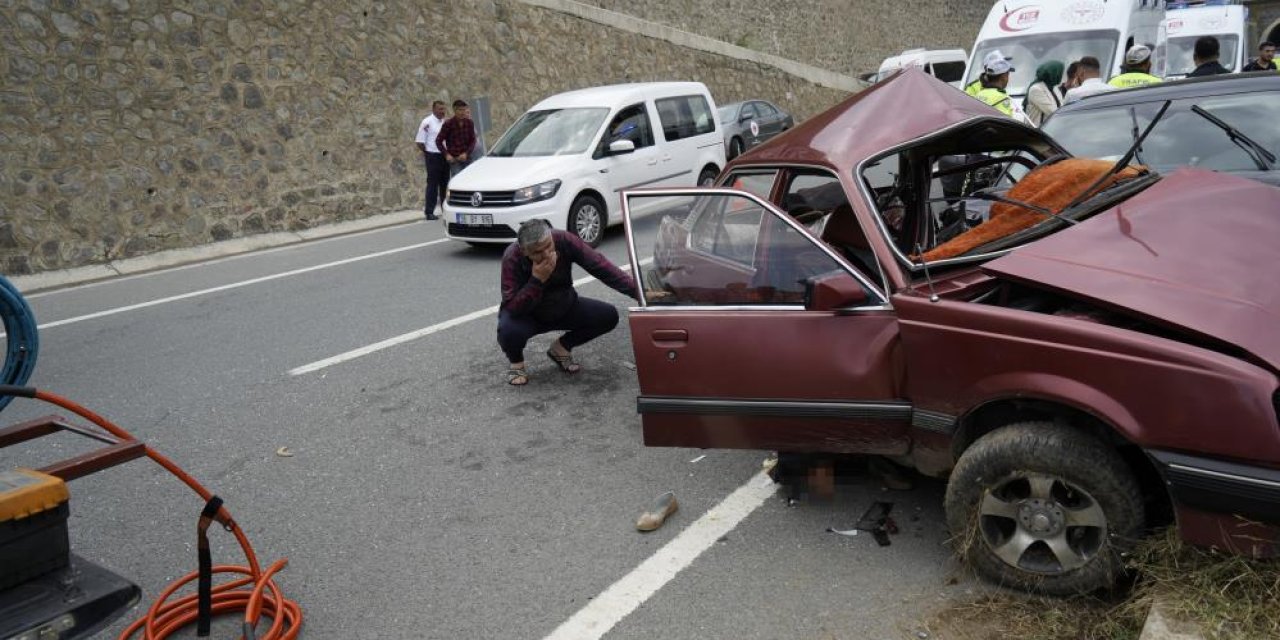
(1198, 251)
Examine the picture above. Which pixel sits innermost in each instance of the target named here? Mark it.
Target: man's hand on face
(544, 265)
(462, 157)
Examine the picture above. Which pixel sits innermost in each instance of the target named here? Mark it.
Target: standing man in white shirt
(437, 168)
(1089, 71)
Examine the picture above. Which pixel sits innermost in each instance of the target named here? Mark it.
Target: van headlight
(537, 192)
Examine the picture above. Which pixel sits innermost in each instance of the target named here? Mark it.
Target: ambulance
(1033, 32)
(1185, 22)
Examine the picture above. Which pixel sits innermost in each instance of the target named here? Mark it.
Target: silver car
(748, 123)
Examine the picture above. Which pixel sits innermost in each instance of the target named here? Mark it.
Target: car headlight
(537, 192)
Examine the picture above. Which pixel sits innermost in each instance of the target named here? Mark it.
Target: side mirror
(834, 290)
(619, 147)
(745, 118)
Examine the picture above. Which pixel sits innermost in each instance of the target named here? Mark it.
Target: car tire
(707, 178)
(587, 219)
(735, 147)
(1014, 495)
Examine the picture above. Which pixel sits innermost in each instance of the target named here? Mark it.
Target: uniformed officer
(995, 78)
(1137, 69)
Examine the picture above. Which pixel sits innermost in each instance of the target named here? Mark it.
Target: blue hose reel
(21, 342)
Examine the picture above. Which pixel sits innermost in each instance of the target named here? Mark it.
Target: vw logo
(476, 199)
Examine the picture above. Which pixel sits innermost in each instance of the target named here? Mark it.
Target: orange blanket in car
(1051, 187)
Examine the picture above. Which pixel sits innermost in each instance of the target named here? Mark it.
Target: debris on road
(875, 521)
(284, 452)
(663, 507)
(698, 459)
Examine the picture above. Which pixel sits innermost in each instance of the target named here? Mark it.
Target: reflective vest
(1133, 79)
(973, 88)
(996, 98)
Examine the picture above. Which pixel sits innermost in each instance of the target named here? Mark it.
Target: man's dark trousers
(437, 182)
(586, 320)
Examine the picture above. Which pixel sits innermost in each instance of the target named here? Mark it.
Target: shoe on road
(663, 507)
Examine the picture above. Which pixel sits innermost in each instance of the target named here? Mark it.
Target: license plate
(475, 218)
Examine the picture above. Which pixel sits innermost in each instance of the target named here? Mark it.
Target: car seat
(845, 235)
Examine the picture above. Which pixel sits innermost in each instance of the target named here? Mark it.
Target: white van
(1185, 22)
(946, 65)
(567, 159)
(1033, 32)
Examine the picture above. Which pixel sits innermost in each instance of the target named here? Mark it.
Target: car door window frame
(624, 113)
(877, 299)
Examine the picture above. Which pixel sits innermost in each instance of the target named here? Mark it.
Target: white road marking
(236, 285)
(212, 261)
(414, 335)
(627, 594)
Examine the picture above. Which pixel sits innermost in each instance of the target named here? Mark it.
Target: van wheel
(586, 219)
(1045, 508)
(708, 177)
(735, 147)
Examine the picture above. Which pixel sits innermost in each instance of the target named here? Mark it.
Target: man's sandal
(517, 377)
(565, 362)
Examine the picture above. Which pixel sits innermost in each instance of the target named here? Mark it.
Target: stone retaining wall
(847, 36)
(131, 126)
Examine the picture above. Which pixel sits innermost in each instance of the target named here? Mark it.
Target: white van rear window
(685, 117)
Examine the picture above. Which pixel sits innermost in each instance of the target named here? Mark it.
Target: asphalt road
(425, 498)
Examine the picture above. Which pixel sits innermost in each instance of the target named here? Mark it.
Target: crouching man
(538, 296)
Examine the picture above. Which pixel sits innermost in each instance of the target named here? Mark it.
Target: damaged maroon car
(1084, 348)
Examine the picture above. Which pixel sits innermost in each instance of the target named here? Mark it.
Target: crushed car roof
(906, 106)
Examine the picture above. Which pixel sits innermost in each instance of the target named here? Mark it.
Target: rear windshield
(1183, 136)
(551, 132)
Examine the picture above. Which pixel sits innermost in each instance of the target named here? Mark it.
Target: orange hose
(263, 598)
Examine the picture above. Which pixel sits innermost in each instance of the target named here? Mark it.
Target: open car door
(752, 334)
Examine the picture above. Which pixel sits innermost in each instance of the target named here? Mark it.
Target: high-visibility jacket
(996, 98)
(1133, 79)
(973, 88)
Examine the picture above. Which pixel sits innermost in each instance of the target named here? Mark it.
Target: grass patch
(1228, 596)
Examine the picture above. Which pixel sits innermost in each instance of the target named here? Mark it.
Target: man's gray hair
(532, 232)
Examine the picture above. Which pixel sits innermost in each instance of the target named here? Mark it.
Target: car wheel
(1045, 508)
(735, 148)
(708, 177)
(586, 219)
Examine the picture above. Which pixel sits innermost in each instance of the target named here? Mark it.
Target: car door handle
(666, 158)
(665, 337)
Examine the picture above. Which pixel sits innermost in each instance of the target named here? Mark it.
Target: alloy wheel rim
(1041, 523)
(587, 223)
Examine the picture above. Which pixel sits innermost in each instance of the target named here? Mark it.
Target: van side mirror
(834, 290)
(619, 147)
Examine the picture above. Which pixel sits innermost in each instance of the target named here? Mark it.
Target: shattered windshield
(940, 202)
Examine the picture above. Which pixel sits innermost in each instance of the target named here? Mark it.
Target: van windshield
(1178, 54)
(551, 132)
(1031, 51)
